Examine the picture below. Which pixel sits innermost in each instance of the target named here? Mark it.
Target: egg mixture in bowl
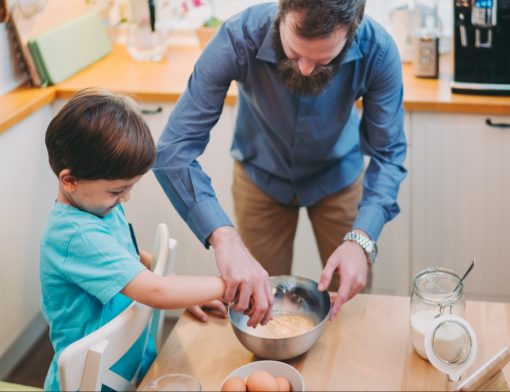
(299, 316)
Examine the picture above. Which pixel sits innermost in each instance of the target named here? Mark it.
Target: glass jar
(146, 39)
(436, 291)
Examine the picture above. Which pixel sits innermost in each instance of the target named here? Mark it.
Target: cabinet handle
(159, 109)
(489, 122)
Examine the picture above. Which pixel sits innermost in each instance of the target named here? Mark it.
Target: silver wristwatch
(369, 246)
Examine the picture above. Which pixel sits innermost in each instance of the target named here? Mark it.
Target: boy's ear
(67, 181)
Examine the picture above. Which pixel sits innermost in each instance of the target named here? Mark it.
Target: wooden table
(367, 347)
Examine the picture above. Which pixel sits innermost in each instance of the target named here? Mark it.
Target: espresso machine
(481, 47)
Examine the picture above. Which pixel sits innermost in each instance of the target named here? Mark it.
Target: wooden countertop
(19, 103)
(166, 80)
(367, 347)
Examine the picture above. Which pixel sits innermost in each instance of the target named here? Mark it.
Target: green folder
(70, 47)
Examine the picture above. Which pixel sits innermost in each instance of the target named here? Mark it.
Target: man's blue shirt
(291, 146)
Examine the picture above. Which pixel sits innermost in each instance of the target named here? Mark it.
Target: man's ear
(67, 181)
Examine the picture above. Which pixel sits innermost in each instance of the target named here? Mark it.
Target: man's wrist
(364, 241)
(222, 234)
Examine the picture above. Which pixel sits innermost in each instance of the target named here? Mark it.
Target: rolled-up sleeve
(187, 133)
(383, 140)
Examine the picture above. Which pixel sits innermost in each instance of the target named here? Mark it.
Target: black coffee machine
(481, 47)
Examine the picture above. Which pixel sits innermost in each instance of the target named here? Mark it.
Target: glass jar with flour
(436, 292)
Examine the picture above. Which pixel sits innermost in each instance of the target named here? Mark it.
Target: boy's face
(97, 197)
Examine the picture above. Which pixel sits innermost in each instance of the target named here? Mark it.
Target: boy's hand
(215, 306)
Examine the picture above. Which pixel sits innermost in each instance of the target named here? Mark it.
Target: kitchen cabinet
(460, 188)
(28, 189)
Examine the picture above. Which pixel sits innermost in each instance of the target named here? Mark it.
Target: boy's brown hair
(100, 135)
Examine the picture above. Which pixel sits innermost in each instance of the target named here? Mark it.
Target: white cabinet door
(391, 272)
(460, 199)
(28, 187)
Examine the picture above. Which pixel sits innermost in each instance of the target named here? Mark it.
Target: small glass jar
(146, 39)
(436, 291)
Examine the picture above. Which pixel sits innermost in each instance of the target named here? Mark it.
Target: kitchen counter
(366, 348)
(166, 80)
(18, 104)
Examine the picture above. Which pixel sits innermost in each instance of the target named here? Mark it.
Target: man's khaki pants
(268, 227)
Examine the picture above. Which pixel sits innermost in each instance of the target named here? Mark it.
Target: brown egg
(283, 384)
(261, 381)
(234, 384)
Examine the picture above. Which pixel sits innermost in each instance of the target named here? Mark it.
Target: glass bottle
(426, 32)
(436, 291)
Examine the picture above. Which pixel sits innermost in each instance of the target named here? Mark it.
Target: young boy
(99, 147)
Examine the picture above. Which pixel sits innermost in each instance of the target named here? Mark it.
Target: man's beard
(289, 74)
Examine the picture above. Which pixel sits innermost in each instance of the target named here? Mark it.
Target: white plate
(276, 368)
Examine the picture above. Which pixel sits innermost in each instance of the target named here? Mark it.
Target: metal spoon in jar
(465, 274)
(441, 307)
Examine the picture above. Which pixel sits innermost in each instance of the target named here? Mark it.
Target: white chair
(85, 364)
(162, 263)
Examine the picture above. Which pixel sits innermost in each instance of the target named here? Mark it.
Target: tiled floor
(33, 367)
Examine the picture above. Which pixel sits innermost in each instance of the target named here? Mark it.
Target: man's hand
(215, 306)
(350, 262)
(247, 283)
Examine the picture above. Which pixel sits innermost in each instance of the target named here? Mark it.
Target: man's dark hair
(100, 135)
(319, 18)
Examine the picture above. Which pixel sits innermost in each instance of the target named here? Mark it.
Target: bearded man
(299, 66)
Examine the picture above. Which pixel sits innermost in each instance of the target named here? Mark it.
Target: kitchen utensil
(292, 296)
(152, 15)
(447, 301)
(465, 274)
(285, 324)
(486, 372)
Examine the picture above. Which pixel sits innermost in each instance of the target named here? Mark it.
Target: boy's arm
(174, 291)
(145, 258)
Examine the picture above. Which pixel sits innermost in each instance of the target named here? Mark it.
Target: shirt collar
(267, 53)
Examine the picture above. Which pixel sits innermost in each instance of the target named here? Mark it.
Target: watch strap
(366, 244)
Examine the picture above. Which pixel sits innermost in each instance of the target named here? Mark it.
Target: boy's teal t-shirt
(85, 262)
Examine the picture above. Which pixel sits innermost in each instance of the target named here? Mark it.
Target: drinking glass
(146, 39)
(174, 382)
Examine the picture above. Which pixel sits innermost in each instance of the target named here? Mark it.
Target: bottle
(436, 292)
(425, 39)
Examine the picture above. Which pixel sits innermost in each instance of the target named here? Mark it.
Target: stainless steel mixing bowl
(292, 295)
